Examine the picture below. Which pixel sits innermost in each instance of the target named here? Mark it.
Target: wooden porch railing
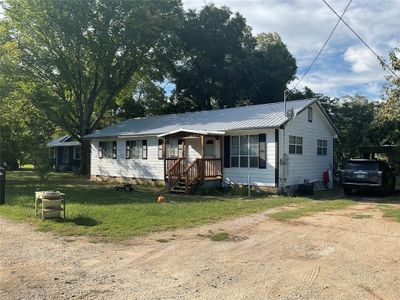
(197, 171)
(192, 174)
(212, 167)
(175, 172)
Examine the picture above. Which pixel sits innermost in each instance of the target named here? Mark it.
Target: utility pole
(285, 94)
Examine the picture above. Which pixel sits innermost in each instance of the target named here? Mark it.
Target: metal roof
(202, 132)
(269, 115)
(63, 141)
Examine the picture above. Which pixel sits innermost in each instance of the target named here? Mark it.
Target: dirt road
(328, 255)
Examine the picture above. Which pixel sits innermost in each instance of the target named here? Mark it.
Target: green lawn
(95, 210)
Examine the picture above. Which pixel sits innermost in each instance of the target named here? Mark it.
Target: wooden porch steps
(180, 187)
(182, 177)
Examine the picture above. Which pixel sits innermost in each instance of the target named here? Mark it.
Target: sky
(346, 66)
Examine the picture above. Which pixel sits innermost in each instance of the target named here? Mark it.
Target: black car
(368, 174)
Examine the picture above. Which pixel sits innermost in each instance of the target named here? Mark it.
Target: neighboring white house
(257, 143)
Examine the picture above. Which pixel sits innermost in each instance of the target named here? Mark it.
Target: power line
(323, 46)
(365, 44)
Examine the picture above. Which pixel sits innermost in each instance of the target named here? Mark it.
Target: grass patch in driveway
(390, 212)
(162, 241)
(221, 236)
(361, 216)
(311, 208)
(94, 209)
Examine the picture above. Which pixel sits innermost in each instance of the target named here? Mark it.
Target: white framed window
(134, 149)
(77, 153)
(322, 147)
(244, 151)
(160, 149)
(173, 148)
(295, 144)
(108, 149)
(310, 114)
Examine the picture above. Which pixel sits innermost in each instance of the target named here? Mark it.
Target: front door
(192, 149)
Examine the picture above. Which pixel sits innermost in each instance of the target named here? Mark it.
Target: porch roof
(63, 141)
(191, 131)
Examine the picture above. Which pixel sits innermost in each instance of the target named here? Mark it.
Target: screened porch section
(191, 158)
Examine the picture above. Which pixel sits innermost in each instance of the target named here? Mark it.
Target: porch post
(165, 158)
(184, 162)
(202, 158)
(202, 146)
(221, 155)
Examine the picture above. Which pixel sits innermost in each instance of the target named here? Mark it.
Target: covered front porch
(192, 158)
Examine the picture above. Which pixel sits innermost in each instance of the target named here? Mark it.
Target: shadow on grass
(84, 221)
(358, 196)
(21, 187)
(375, 197)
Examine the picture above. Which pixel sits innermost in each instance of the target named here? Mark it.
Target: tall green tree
(223, 64)
(388, 117)
(81, 55)
(269, 68)
(353, 117)
(24, 130)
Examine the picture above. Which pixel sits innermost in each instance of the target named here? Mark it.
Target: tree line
(76, 66)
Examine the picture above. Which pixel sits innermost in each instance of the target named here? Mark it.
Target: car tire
(347, 191)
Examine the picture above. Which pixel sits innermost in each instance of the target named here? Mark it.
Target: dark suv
(368, 174)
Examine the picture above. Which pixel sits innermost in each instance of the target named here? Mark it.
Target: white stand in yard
(52, 202)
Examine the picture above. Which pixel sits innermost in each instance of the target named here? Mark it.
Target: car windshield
(366, 166)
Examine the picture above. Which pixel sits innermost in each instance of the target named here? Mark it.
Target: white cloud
(361, 59)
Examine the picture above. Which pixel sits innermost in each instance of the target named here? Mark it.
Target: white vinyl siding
(309, 165)
(150, 168)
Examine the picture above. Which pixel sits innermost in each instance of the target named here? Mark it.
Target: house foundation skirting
(120, 179)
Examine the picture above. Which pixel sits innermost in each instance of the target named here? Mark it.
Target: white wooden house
(232, 145)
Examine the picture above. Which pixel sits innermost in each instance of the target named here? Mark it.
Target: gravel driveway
(328, 255)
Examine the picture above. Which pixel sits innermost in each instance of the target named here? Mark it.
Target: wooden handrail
(191, 164)
(175, 163)
(175, 173)
(192, 174)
